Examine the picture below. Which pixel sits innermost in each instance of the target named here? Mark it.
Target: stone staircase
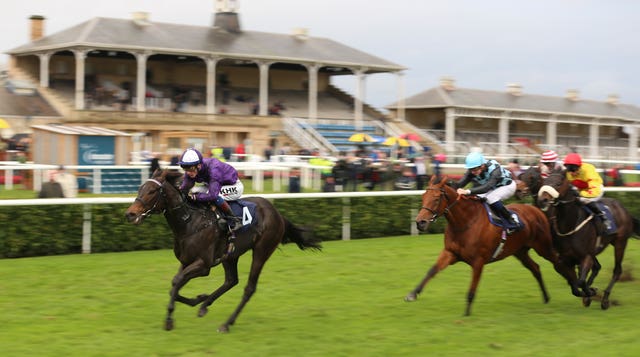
(61, 104)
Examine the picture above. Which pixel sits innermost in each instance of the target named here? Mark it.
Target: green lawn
(344, 301)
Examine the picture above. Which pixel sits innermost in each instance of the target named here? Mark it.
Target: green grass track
(344, 301)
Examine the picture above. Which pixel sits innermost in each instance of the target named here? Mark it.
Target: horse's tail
(304, 238)
(636, 227)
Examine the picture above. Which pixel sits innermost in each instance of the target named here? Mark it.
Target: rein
(447, 209)
(555, 202)
(150, 211)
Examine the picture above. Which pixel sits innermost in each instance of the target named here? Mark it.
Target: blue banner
(96, 150)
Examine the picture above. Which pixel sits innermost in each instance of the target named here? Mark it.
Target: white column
(358, 98)
(44, 69)
(633, 143)
(141, 81)
(552, 133)
(264, 87)
(313, 91)
(401, 115)
(80, 56)
(503, 133)
(211, 84)
(449, 130)
(594, 134)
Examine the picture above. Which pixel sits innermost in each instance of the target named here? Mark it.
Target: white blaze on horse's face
(550, 191)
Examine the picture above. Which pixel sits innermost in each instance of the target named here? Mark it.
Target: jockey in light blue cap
(491, 181)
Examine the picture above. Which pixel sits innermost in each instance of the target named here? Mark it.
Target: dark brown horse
(470, 236)
(578, 235)
(529, 183)
(200, 244)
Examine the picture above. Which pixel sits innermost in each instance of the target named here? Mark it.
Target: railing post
(413, 228)
(346, 218)
(86, 229)
(8, 179)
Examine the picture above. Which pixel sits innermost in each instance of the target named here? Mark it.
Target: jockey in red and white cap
(549, 162)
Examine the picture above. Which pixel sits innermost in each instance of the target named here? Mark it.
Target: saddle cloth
(497, 220)
(605, 209)
(246, 211)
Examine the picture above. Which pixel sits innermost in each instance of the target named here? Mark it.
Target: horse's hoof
(223, 329)
(605, 304)
(586, 301)
(411, 297)
(168, 325)
(203, 311)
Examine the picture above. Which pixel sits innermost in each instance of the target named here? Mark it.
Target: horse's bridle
(555, 201)
(435, 214)
(151, 210)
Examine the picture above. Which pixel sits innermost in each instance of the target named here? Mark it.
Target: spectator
(51, 188)
(294, 181)
(340, 173)
(240, 152)
(420, 171)
(406, 181)
(68, 181)
(329, 184)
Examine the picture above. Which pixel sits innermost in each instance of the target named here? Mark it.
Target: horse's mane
(531, 170)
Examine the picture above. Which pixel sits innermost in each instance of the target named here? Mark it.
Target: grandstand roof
(439, 97)
(166, 38)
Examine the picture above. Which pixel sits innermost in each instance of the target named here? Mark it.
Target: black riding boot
(512, 220)
(593, 206)
(231, 221)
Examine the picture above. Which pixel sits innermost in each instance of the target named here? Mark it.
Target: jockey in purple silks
(220, 181)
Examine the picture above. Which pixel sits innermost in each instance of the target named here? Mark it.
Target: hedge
(51, 230)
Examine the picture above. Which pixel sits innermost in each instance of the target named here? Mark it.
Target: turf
(344, 301)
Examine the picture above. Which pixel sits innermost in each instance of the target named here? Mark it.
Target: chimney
(37, 27)
(300, 33)
(613, 99)
(572, 94)
(226, 16)
(447, 83)
(514, 89)
(140, 18)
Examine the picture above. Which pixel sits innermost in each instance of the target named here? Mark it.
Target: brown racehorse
(578, 235)
(470, 236)
(200, 244)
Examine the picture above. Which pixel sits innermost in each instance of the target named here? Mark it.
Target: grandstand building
(514, 123)
(180, 85)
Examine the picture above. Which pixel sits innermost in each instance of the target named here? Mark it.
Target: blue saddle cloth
(607, 212)
(498, 221)
(246, 211)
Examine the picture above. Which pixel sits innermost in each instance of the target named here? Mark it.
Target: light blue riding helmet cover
(473, 160)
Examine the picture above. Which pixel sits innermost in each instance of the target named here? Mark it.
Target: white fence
(310, 175)
(346, 206)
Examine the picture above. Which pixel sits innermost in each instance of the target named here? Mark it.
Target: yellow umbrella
(393, 140)
(4, 124)
(362, 138)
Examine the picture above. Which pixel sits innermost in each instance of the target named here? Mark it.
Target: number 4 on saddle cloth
(246, 211)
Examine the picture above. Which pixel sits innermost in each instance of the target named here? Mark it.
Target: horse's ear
(171, 175)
